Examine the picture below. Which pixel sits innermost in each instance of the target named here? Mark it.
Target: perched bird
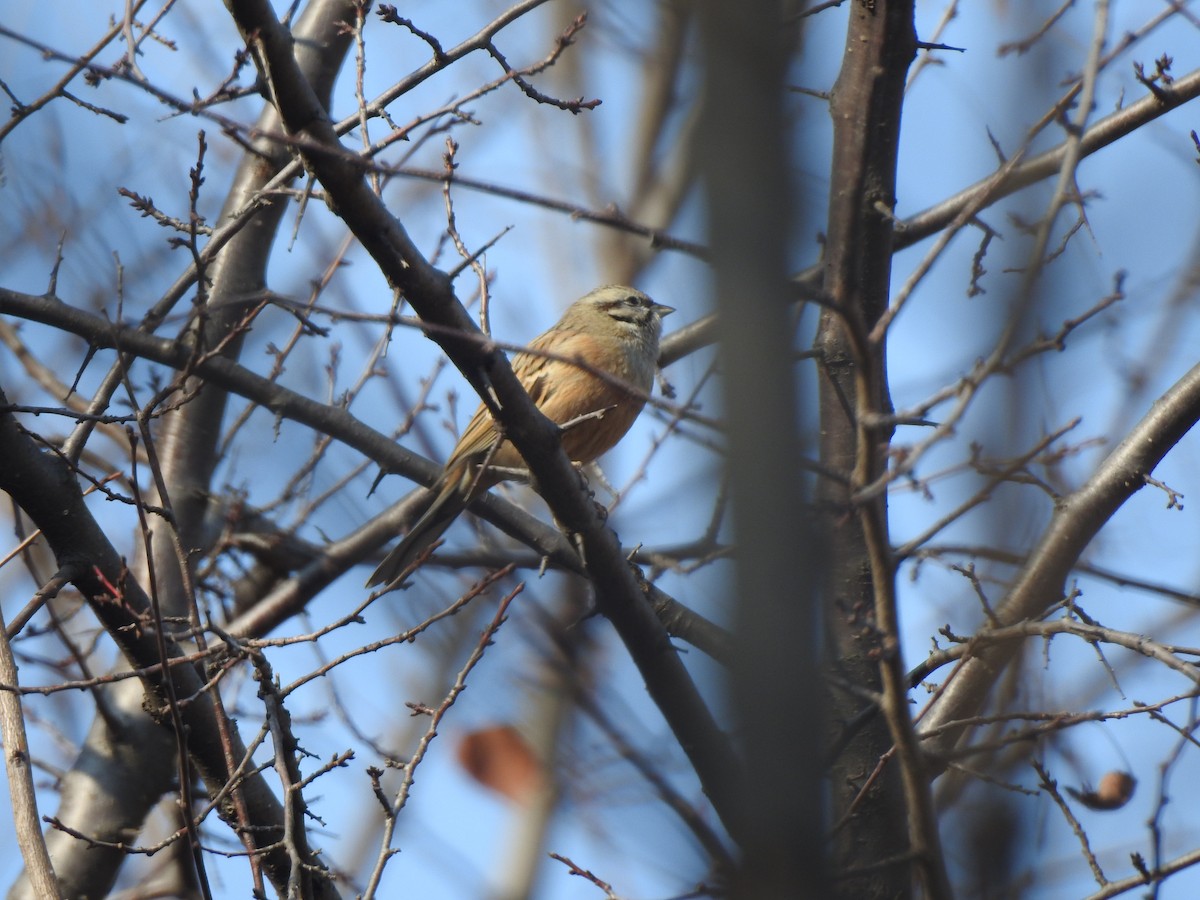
(614, 329)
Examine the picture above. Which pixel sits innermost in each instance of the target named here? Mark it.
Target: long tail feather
(431, 526)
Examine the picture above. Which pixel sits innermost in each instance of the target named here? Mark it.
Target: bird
(615, 330)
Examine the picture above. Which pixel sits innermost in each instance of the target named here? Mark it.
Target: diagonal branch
(1077, 519)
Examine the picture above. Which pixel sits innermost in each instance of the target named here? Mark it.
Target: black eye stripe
(634, 308)
(625, 311)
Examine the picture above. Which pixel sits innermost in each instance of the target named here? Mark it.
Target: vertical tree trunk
(868, 813)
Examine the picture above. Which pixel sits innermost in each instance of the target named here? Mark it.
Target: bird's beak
(663, 310)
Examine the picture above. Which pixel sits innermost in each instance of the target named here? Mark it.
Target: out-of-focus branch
(22, 111)
(660, 148)
(18, 764)
(632, 223)
(742, 153)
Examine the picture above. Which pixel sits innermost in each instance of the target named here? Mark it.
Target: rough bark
(868, 805)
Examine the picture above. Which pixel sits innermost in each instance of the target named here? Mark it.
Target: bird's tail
(431, 526)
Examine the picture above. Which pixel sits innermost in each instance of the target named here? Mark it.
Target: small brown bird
(614, 329)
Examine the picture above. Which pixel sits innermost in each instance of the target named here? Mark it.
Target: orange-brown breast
(564, 392)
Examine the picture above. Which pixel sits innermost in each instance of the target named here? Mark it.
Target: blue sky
(454, 834)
